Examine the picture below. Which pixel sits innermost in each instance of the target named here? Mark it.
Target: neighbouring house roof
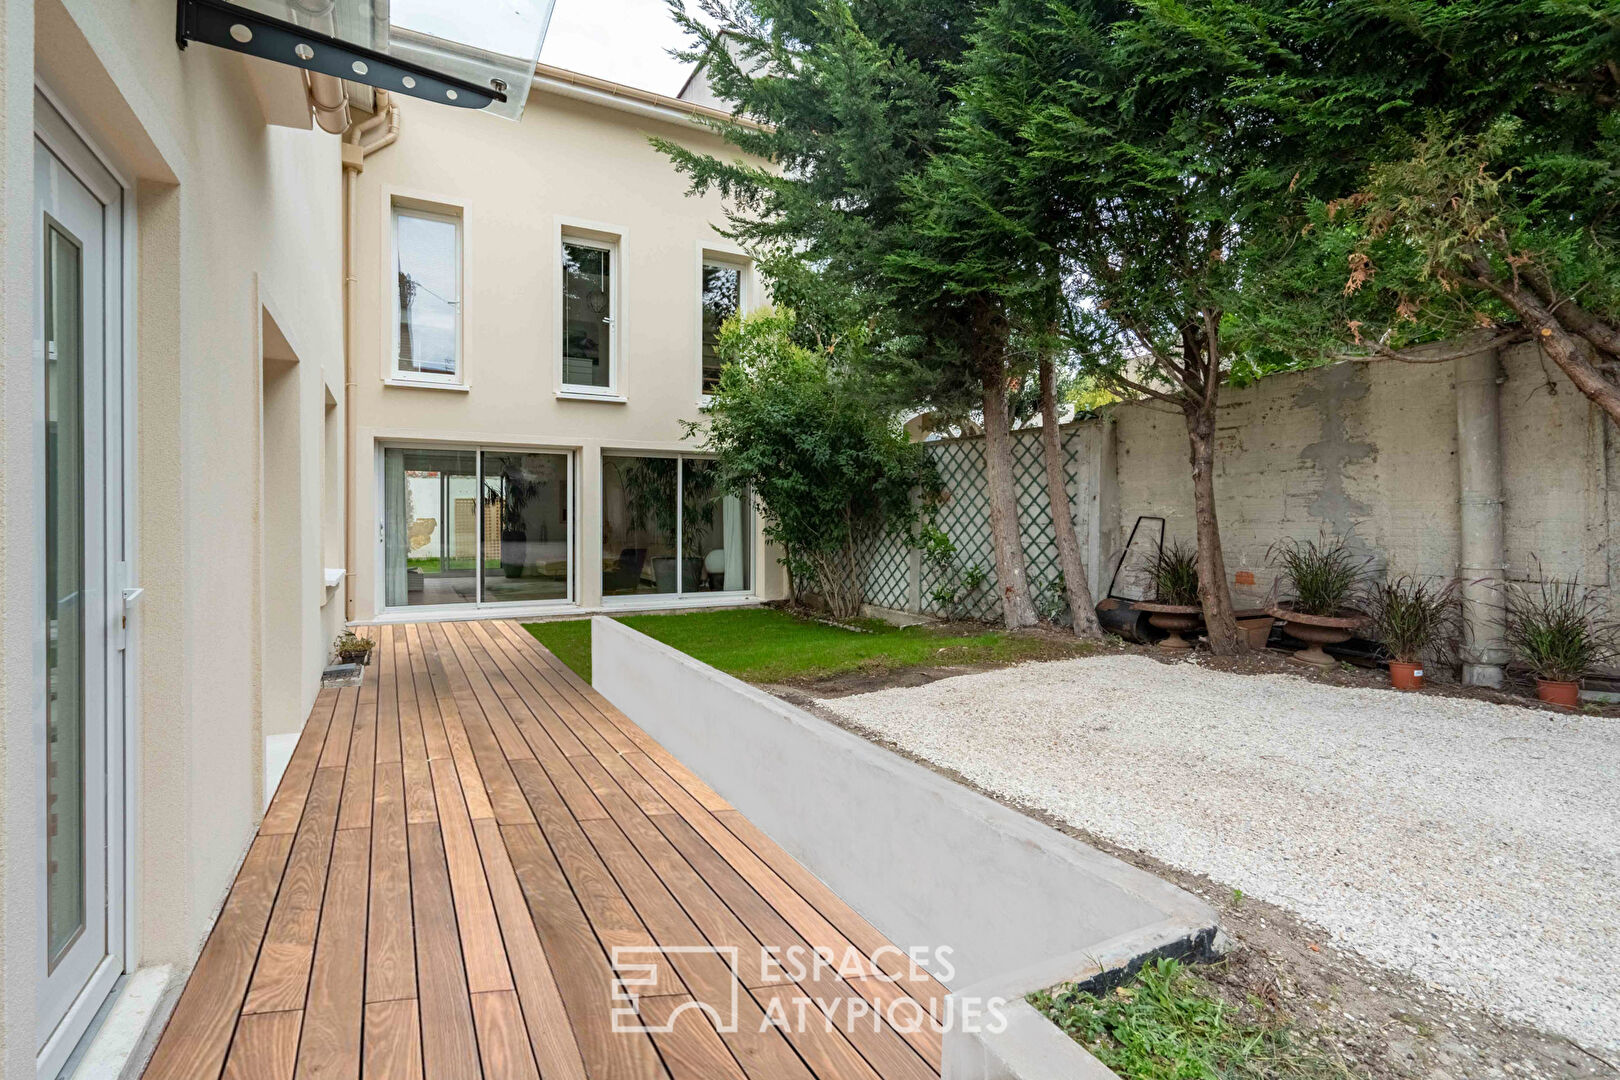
(633, 99)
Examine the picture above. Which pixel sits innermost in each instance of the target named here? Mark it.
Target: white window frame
(478, 450)
(747, 294)
(432, 212)
(616, 241)
(731, 260)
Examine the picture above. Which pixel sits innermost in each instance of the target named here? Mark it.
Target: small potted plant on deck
(351, 648)
(1414, 621)
(1327, 580)
(1174, 607)
(1560, 632)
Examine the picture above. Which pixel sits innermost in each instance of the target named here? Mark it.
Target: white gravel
(1475, 846)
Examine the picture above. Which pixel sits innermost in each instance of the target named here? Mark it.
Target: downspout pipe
(1482, 564)
(355, 152)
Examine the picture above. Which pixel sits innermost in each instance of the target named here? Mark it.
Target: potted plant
(1559, 631)
(1326, 579)
(1414, 620)
(351, 648)
(1173, 572)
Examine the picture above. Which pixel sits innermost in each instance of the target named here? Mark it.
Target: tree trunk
(1017, 609)
(1081, 608)
(1572, 353)
(1220, 622)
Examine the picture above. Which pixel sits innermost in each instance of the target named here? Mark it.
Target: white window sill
(333, 576)
(423, 384)
(581, 395)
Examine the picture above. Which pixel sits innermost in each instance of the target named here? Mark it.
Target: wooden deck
(453, 856)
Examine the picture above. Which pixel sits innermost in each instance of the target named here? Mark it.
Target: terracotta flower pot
(1173, 619)
(1405, 676)
(1317, 631)
(1556, 692)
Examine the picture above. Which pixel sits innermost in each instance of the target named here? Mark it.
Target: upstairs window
(589, 315)
(427, 296)
(722, 298)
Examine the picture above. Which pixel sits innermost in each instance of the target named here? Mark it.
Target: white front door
(77, 343)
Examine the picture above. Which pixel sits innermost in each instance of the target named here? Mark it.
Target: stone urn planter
(1173, 619)
(1317, 631)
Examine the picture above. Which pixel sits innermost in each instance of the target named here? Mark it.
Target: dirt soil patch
(1273, 661)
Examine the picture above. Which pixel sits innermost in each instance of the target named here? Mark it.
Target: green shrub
(1414, 619)
(831, 471)
(1174, 574)
(1324, 575)
(1559, 630)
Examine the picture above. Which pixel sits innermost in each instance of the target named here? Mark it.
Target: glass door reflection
(526, 522)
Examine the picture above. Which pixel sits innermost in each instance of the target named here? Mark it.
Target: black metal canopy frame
(215, 22)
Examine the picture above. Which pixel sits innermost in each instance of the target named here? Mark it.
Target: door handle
(131, 596)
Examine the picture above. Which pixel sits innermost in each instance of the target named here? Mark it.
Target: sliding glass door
(668, 529)
(474, 526)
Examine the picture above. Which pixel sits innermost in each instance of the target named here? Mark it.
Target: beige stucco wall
(515, 187)
(234, 219)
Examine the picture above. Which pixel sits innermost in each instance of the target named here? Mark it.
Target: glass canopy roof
(472, 54)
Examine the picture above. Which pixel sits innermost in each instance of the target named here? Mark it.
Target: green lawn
(766, 645)
(1169, 1022)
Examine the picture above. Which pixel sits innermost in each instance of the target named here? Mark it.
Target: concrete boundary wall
(928, 862)
(1370, 451)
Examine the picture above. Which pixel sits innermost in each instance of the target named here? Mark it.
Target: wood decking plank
(486, 772)
(449, 1041)
(823, 1047)
(575, 706)
(335, 753)
(894, 963)
(459, 748)
(916, 1025)
(265, 1047)
(388, 654)
(281, 977)
(360, 774)
(199, 1031)
(482, 948)
(581, 967)
(287, 807)
(334, 1016)
(503, 1042)
(393, 1041)
(435, 743)
(707, 976)
(612, 916)
(534, 691)
(486, 691)
(420, 805)
(550, 1035)
(805, 919)
(390, 949)
(456, 851)
(691, 1048)
(720, 926)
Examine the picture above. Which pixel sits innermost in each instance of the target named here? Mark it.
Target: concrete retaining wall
(926, 861)
(1362, 450)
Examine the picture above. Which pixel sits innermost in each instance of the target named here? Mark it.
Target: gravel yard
(1473, 845)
